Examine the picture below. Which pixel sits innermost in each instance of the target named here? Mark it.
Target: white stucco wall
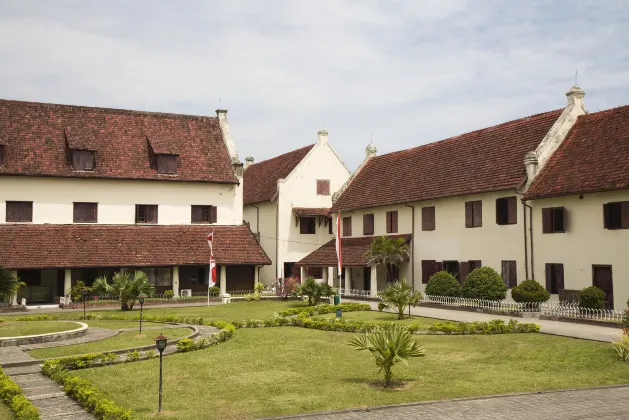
(53, 199)
(267, 231)
(452, 241)
(585, 243)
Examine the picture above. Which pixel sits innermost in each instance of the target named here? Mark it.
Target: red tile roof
(36, 142)
(311, 211)
(354, 250)
(593, 157)
(48, 246)
(260, 180)
(490, 159)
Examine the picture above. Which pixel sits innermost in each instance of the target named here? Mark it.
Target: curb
(45, 338)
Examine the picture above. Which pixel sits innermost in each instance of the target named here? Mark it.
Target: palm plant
(389, 346)
(126, 286)
(9, 284)
(314, 291)
(388, 251)
(397, 296)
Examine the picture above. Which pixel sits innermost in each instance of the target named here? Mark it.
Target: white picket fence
(355, 293)
(572, 310)
(498, 305)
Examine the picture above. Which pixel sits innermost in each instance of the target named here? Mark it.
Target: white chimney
(322, 136)
(575, 96)
(530, 164)
(370, 151)
(227, 135)
(248, 161)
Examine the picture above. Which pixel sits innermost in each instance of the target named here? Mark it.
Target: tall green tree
(389, 346)
(126, 286)
(9, 285)
(397, 296)
(389, 252)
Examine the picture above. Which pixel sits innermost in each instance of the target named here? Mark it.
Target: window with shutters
(347, 226)
(1, 154)
(82, 160)
(554, 220)
(427, 270)
(428, 218)
(203, 214)
(616, 215)
(474, 214)
(19, 211)
(323, 187)
(368, 224)
(307, 225)
(391, 221)
(85, 212)
(506, 211)
(316, 272)
(509, 274)
(452, 267)
(145, 213)
(167, 164)
(554, 278)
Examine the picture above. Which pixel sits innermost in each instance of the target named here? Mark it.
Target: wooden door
(602, 278)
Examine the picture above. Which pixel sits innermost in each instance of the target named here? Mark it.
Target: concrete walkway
(611, 403)
(567, 329)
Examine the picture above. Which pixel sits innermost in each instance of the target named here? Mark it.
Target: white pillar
(67, 281)
(223, 279)
(14, 274)
(324, 274)
(374, 280)
(256, 274)
(302, 274)
(348, 279)
(176, 281)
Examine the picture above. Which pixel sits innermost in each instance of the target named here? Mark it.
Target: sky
(403, 73)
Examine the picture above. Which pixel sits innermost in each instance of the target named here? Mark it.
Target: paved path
(567, 329)
(600, 404)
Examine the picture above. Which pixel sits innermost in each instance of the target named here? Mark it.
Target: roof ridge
(110, 110)
(310, 146)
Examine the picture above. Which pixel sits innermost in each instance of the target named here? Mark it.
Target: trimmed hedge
(50, 367)
(530, 291)
(592, 298)
(12, 395)
(326, 309)
(443, 284)
(496, 326)
(484, 283)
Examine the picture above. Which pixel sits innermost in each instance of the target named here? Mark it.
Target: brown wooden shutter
(549, 268)
(366, 225)
(197, 214)
(213, 214)
(151, 214)
(426, 270)
(13, 214)
(478, 213)
(464, 270)
(512, 210)
(469, 214)
(437, 266)
(513, 275)
(303, 225)
(394, 222)
(428, 218)
(26, 212)
(607, 215)
(559, 276)
(624, 215)
(546, 220)
(388, 218)
(564, 218)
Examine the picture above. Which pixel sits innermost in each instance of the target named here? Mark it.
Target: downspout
(412, 245)
(277, 236)
(531, 232)
(526, 243)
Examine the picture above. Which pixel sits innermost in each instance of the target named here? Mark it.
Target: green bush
(214, 290)
(496, 326)
(484, 283)
(132, 356)
(185, 345)
(622, 346)
(169, 294)
(443, 284)
(592, 298)
(42, 317)
(530, 291)
(326, 309)
(85, 361)
(12, 395)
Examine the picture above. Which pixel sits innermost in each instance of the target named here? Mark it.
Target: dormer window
(167, 164)
(82, 160)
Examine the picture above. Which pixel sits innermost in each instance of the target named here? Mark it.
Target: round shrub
(443, 284)
(592, 297)
(530, 291)
(484, 283)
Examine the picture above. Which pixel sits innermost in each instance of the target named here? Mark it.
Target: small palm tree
(389, 346)
(390, 252)
(397, 296)
(9, 284)
(127, 287)
(314, 291)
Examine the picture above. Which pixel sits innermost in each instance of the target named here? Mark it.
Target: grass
(10, 328)
(117, 325)
(278, 371)
(383, 317)
(123, 340)
(5, 412)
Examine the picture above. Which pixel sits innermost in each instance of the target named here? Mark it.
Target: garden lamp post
(84, 294)
(141, 300)
(161, 346)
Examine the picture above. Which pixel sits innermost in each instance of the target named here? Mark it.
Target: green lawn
(123, 340)
(5, 413)
(10, 328)
(275, 371)
(117, 325)
(383, 316)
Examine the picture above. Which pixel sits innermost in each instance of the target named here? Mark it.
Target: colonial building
(287, 200)
(459, 202)
(85, 191)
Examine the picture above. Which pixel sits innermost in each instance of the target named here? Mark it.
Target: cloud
(403, 72)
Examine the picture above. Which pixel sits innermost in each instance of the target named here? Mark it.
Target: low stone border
(45, 338)
(596, 322)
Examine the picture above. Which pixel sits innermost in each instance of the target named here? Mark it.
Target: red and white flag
(212, 277)
(210, 239)
(339, 252)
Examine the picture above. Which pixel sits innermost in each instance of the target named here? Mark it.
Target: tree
(286, 287)
(9, 285)
(127, 287)
(314, 291)
(397, 296)
(389, 346)
(389, 252)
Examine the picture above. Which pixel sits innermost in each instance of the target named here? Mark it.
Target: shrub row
(187, 344)
(90, 398)
(50, 367)
(491, 327)
(12, 395)
(42, 317)
(326, 309)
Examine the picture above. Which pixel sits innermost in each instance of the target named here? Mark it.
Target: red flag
(210, 239)
(339, 252)
(212, 279)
